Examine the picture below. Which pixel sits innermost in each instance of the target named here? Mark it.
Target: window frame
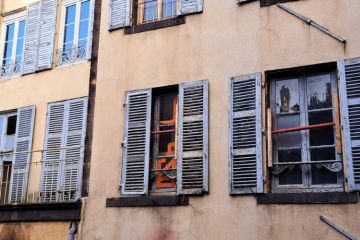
(8, 20)
(138, 15)
(77, 3)
(306, 175)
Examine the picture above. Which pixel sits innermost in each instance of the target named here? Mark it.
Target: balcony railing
(70, 55)
(41, 181)
(10, 69)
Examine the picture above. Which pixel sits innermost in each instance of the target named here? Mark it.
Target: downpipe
(72, 230)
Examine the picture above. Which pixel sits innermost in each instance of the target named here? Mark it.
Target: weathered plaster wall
(225, 40)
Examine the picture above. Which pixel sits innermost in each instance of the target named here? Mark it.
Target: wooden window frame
(138, 15)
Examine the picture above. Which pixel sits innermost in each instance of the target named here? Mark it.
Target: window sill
(307, 198)
(70, 64)
(264, 3)
(65, 211)
(148, 201)
(155, 25)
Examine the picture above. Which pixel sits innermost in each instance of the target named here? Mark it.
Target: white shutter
(31, 38)
(46, 34)
(192, 162)
(136, 146)
(91, 29)
(189, 6)
(349, 71)
(245, 135)
(119, 14)
(54, 137)
(23, 143)
(72, 165)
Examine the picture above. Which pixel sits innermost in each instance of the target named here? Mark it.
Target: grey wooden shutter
(91, 28)
(46, 35)
(23, 143)
(31, 38)
(119, 14)
(54, 137)
(136, 145)
(72, 163)
(189, 6)
(192, 162)
(349, 71)
(245, 135)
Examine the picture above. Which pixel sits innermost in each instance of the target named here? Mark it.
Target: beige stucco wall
(225, 40)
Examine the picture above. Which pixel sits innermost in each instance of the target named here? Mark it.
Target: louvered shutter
(31, 38)
(245, 135)
(349, 71)
(192, 162)
(91, 28)
(72, 163)
(23, 143)
(46, 34)
(54, 137)
(119, 14)
(189, 6)
(136, 146)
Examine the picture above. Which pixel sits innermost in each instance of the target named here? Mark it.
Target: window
(300, 101)
(165, 150)
(76, 31)
(12, 36)
(153, 10)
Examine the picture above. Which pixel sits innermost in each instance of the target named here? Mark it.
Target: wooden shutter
(136, 145)
(349, 71)
(23, 143)
(72, 164)
(245, 135)
(192, 162)
(189, 6)
(54, 137)
(46, 34)
(119, 14)
(91, 27)
(31, 38)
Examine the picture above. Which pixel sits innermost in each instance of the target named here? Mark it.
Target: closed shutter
(189, 6)
(136, 146)
(192, 162)
(245, 135)
(119, 14)
(54, 137)
(23, 143)
(31, 38)
(349, 71)
(91, 27)
(73, 160)
(46, 34)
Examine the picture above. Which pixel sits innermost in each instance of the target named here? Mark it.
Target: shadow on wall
(12, 231)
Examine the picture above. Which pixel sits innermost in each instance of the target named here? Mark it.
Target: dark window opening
(5, 182)
(11, 125)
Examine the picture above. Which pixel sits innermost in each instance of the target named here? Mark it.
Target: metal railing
(10, 69)
(73, 54)
(41, 181)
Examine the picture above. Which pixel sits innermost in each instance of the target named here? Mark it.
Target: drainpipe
(72, 230)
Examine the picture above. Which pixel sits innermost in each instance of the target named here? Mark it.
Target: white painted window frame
(13, 18)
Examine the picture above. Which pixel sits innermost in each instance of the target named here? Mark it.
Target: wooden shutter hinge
(123, 144)
(47, 113)
(120, 186)
(125, 103)
(263, 85)
(264, 179)
(263, 131)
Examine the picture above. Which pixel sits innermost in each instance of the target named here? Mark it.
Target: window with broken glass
(307, 159)
(163, 142)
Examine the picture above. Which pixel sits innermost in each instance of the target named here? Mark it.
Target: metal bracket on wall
(337, 228)
(310, 22)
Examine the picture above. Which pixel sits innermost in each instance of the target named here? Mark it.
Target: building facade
(213, 119)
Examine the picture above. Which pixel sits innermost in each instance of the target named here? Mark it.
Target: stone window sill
(155, 25)
(147, 201)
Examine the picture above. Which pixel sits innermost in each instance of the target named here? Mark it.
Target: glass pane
(10, 32)
(21, 29)
(167, 144)
(290, 139)
(19, 47)
(68, 46)
(168, 8)
(1, 126)
(8, 49)
(293, 176)
(6, 61)
(150, 10)
(321, 136)
(9, 143)
(287, 96)
(85, 10)
(322, 175)
(70, 14)
(167, 103)
(83, 29)
(69, 33)
(319, 92)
